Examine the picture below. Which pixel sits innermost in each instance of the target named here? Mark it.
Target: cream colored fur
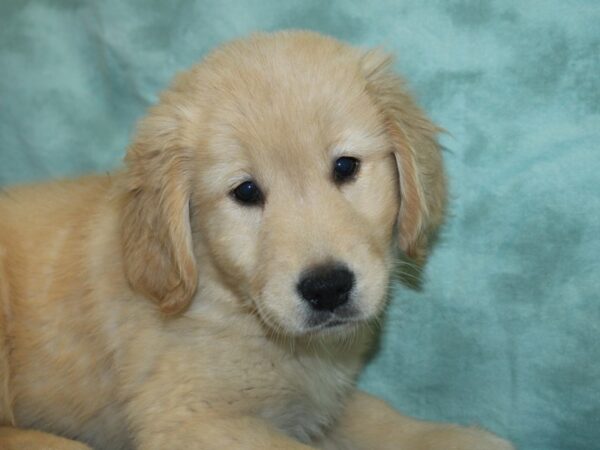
(147, 309)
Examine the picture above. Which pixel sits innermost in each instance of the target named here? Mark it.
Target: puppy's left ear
(414, 144)
(155, 224)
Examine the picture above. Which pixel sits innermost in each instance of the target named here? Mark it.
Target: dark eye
(248, 193)
(345, 168)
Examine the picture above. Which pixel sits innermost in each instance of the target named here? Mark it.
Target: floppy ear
(156, 232)
(414, 144)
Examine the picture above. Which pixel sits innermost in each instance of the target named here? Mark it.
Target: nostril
(326, 287)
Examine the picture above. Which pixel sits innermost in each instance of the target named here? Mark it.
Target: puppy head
(301, 158)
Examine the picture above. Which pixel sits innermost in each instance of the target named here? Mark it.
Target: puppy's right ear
(155, 223)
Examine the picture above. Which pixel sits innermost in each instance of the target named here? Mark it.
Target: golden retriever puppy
(217, 293)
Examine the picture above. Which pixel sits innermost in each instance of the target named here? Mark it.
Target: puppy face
(290, 151)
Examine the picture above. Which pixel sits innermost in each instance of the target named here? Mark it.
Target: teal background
(505, 329)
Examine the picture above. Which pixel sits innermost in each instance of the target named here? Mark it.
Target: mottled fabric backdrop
(505, 328)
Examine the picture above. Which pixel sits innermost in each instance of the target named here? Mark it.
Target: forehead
(277, 103)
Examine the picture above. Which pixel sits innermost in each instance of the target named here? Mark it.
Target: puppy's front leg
(210, 433)
(370, 424)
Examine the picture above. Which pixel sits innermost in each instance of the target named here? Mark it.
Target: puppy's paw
(460, 438)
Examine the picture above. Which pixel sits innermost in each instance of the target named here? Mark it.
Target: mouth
(339, 322)
(335, 323)
(337, 327)
(331, 322)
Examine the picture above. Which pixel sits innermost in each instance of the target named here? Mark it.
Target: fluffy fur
(148, 309)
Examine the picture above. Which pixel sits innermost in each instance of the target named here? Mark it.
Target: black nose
(326, 287)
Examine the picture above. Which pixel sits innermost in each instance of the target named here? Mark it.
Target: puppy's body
(61, 323)
(153, 308)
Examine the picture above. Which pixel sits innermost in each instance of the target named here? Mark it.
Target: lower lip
(334, 323)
